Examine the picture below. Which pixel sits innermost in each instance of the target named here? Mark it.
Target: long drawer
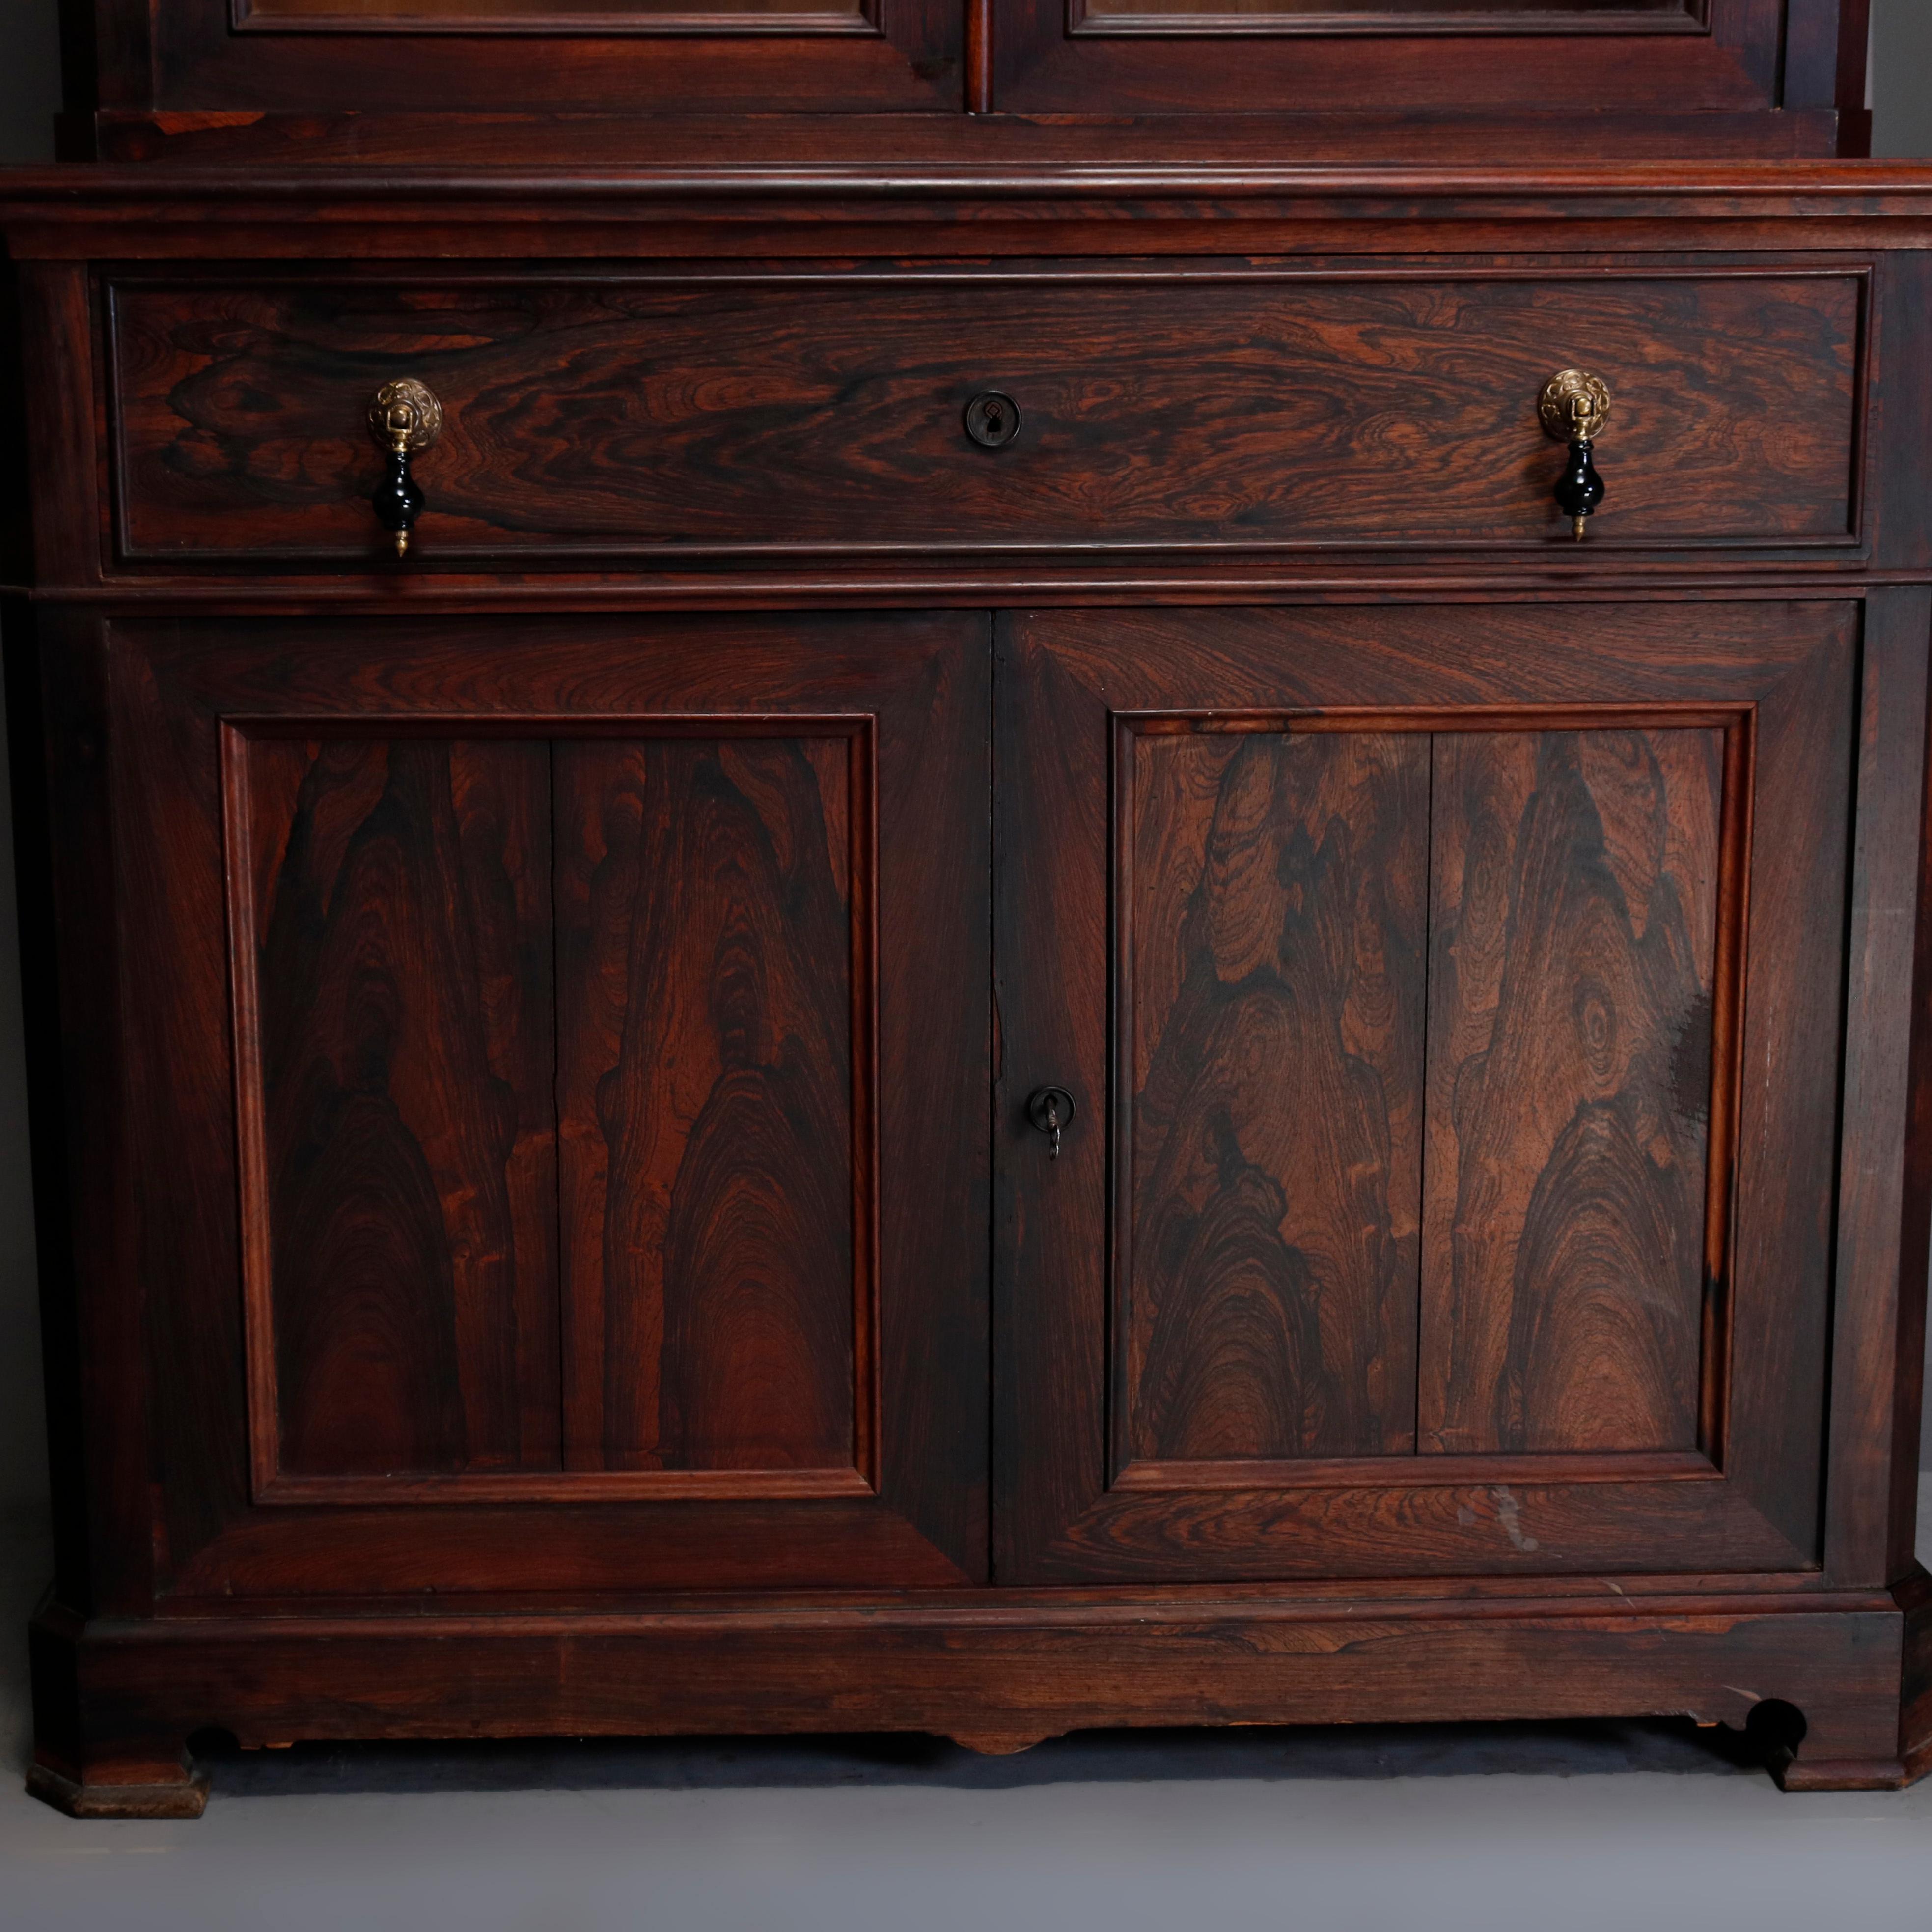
(792, 414)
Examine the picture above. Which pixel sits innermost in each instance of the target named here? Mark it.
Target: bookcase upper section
(608, 83)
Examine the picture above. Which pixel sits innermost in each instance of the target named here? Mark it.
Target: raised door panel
(607, 1094)
(717, 1165)
(392, 912)
(1573, 934)
(1412, 63)
(1448, 1188)
(520, 61)
(1272, 968)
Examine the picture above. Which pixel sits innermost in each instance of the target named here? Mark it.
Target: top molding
(949, 210)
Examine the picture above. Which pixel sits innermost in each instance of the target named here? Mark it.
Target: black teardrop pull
(397, 500)
(406, 419)
(1574, 406)
(1580, 489)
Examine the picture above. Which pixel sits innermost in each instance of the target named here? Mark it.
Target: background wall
(1901, 100)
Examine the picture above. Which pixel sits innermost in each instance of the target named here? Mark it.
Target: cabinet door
(1385, 64)
(406, 69)
(580, 1205)
(1449, 1002)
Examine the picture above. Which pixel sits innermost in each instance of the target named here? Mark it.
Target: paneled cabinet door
(1448, 1001)
(1378, 59)
(580, 1205)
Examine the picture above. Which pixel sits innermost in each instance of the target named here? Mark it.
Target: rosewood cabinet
(991, 991)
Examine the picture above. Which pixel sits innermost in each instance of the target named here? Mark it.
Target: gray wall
(1900, 88)
(29, 93)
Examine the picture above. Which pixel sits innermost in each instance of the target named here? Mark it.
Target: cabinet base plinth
(1843, 1775)
(1815, 1675)
(186, 1797)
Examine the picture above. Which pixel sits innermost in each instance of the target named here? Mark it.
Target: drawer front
(797, 415)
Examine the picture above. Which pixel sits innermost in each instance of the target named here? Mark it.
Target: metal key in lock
(1051, 1109)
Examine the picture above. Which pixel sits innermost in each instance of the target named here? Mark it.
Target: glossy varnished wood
(1573, 937)
(1277, 886)
(802, 1578)
(1152, 60)
(393, 940)
(1670, 1345)
(715, 951)
(831, 1376)
(1664, 76)
(1008, 1669)
(1878, 1367)
(795, 415)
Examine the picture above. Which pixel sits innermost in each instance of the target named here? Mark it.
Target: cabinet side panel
(1878, 1316)
(1274, 957)
(401, 959)
(1572, 947)
(705, 1081)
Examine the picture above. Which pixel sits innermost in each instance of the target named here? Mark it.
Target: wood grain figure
(402, 966)
(710, 1185)
(814, 414)
(545, 1226)
(1275, 924)
(1573, 932)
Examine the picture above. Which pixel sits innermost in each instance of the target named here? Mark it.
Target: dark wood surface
(809, 414)
(1278, 886)
(394, 996)
(790, 1338)
(1148, 64)
(888, 198)
(1668, 76)
(1573, 878)
(1714, 1496)
(1591, 1340)
(1878, 1368)
(714, 953)
(1000, 1673)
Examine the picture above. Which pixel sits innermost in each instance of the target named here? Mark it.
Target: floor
(1505, 1828)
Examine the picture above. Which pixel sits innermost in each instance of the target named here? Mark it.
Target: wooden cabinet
(994, 992)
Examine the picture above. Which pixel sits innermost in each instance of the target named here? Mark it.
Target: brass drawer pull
(1574, 408)
(404, 417)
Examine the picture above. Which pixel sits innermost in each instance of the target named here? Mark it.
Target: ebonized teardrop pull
(405, 418)
(1574, 408)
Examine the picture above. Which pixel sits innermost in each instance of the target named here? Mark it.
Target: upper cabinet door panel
(1470, 59)
(547, 57)
(1448, 1004)
(795, 415)
(605, 82)
(606, 1096)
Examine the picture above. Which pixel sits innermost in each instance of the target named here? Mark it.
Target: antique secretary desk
(974, 865)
